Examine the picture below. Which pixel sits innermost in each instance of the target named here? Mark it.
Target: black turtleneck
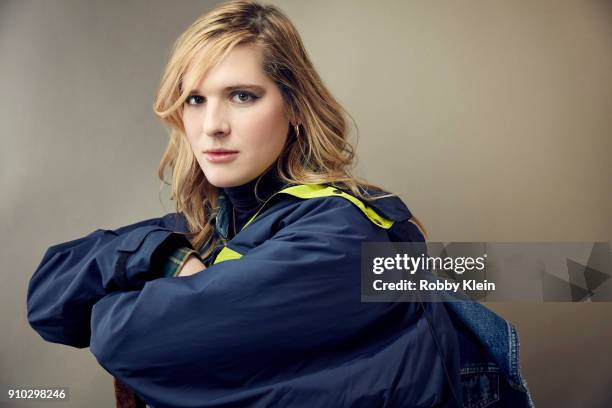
(243, 198)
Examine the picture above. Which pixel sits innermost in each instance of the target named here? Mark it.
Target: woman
(249, 294)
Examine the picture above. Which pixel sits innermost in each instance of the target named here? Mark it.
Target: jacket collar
(245, 199)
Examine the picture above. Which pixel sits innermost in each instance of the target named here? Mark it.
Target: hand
(191, 266)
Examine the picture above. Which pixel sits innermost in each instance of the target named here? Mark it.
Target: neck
(247, 198)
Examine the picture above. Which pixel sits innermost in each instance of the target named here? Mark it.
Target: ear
(295, 121)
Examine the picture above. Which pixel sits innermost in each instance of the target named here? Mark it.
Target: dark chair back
(125, 397)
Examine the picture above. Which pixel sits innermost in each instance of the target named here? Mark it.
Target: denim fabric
(490, 370)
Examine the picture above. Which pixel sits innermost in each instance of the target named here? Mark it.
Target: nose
(215, 121)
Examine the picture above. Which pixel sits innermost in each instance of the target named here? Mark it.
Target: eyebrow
(233, 88)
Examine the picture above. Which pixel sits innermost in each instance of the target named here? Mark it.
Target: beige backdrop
(491, 119)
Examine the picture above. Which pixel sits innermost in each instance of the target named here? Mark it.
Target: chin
(223, 182)
(220, 183)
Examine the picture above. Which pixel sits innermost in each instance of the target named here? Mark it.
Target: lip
(220, 155)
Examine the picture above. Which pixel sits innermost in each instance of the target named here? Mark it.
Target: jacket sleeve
(232, 326)
(74, 275)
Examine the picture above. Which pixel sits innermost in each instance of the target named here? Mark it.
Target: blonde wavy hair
(320, 154)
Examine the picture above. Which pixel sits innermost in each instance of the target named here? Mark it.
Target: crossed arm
(205, 336)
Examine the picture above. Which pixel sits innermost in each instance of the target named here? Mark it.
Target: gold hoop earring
(297, 130)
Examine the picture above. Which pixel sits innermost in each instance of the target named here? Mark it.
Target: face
(235, 119)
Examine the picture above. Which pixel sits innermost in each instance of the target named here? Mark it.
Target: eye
(194, 100)
(243, 97)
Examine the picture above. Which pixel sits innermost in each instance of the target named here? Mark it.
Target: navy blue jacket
(275, 319)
